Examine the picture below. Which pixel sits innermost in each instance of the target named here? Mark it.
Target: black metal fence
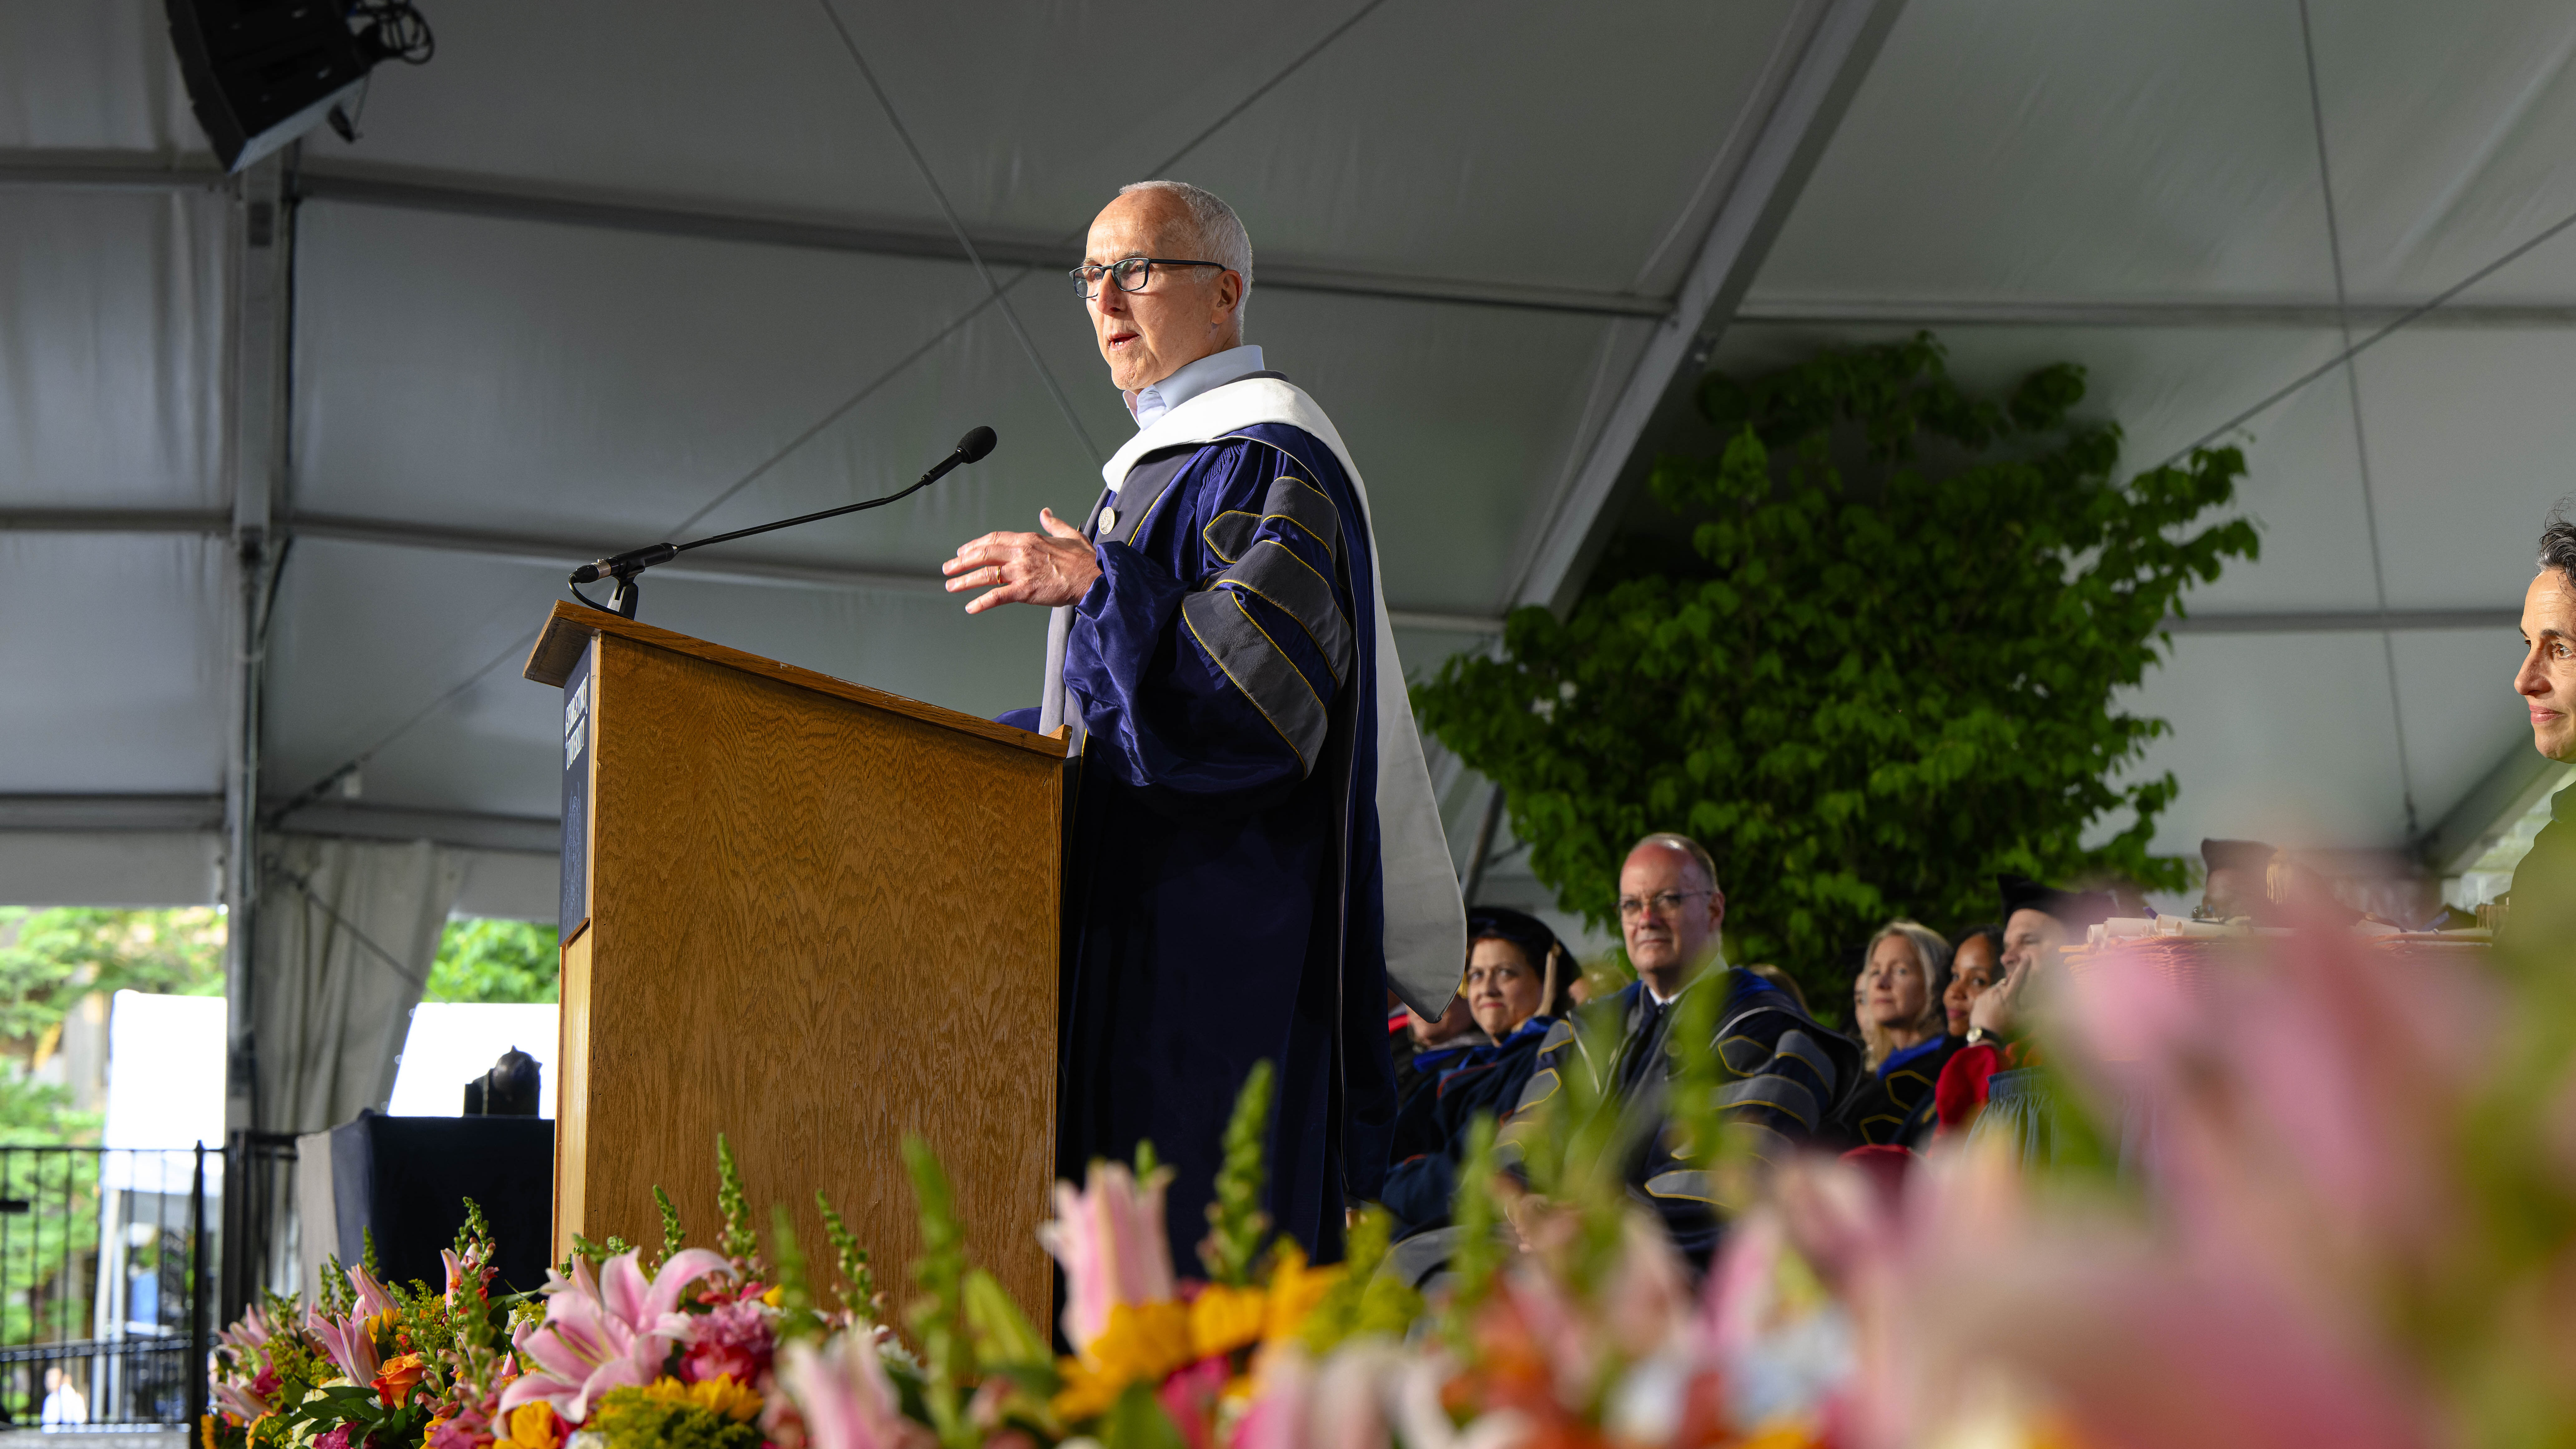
(115, 1264)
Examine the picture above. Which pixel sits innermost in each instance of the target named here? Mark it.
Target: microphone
(972, 448)
(634, 560)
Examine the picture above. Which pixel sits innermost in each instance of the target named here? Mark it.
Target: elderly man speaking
(1256, 855)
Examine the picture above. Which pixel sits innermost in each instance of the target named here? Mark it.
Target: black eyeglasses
(1131, 273)
(1662, 903)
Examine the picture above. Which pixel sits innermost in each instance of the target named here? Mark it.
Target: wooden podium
(811, 916)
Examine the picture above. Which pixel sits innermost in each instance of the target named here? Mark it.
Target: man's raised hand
(1046, 569)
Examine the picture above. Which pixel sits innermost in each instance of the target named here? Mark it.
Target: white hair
(1216, 233)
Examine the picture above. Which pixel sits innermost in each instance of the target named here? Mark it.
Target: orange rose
(398, 1377)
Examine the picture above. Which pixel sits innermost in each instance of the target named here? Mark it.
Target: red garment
(1886, 1166)
(1961, 1093)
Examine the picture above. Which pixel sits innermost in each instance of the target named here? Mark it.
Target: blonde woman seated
(1904, 1028)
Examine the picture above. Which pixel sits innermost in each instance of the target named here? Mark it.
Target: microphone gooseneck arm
(625, 566)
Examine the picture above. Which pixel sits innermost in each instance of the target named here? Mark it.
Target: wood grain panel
(572, 1092)
(817, 923)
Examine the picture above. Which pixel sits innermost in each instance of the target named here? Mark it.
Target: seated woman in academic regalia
(1423, 1049)
(1518, 977)
(1903, 1021)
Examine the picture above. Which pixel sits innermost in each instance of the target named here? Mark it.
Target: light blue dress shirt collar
(1214, 370)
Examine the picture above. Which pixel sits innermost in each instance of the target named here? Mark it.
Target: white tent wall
(490, 383)
(2136, 188)
(114, 649)
(347, 932)
(112, 868)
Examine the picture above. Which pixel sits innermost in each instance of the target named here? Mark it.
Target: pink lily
(239, 1402)
(253, 1330)
(1109, 1237)
(2306, 1109)
(614, 1332)
(239, 1389)
(1283, 1394)
(2131, 1340)
(372, 1297)
(348, 1339)
(844, 1395)
(348, 1343)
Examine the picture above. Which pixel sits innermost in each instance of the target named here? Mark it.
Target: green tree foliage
(51, 960)
(51, 963)
(1881, 672)
(487, 960)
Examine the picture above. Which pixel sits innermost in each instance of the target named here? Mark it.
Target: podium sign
(814, 917)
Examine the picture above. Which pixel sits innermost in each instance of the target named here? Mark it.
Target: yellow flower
(723, 1394)
(1144, 1341)
(1782, 1434)
(206, 1430)
(1295, 1289)
(1085, 1395)
(775, 1297)
(533, 1426)
(1223, 1319)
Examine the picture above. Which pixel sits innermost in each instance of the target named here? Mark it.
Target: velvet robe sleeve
(1212, 686)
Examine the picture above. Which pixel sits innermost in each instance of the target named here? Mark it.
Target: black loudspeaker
(405, 1179)
(262, 72)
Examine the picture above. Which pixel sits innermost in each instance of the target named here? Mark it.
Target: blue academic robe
(1432, 1129)
(1787, 1076)
(1223, 901)
(1894, 1107)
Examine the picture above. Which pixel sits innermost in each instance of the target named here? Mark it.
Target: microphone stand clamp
(623, 568)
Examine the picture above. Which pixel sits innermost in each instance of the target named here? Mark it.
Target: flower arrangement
(613, 1352)
(2353, 1222)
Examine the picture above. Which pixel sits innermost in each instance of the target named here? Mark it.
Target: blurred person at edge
(1785, 982)
(1788, 1075)
(1518, 985)
(2547, 684)
(1903, 1022)
(2040, 921)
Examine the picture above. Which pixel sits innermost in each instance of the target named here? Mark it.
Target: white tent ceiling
(597, 265)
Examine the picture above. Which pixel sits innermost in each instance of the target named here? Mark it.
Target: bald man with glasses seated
(1786, 1075)
(1255, 854)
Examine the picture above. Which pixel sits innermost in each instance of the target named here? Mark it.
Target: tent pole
(1825, 50)
(262, 253)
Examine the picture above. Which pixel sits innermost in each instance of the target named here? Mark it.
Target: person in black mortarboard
(2040, 921)
(2235, 885)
